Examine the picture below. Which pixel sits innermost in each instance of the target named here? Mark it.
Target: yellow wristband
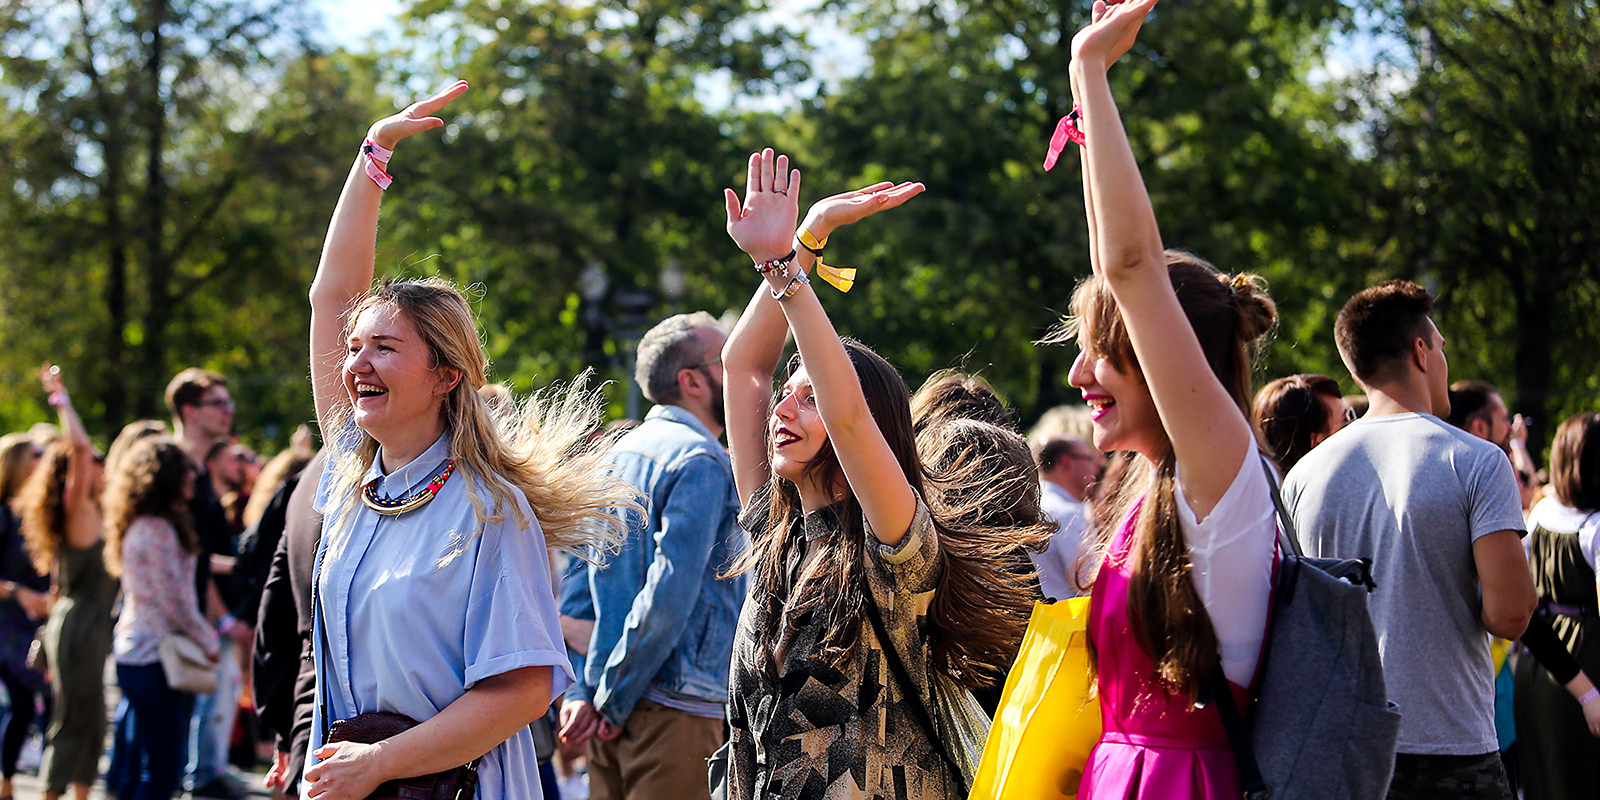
(811, 242)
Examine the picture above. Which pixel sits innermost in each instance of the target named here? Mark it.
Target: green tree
(151, 198)
(582, 142)
(1239, 149)
(1488, 159)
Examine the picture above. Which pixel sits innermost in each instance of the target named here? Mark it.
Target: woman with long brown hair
(61, 524)
(151, 544)
(1164, 366)
(868, 618)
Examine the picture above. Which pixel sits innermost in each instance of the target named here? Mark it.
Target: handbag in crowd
(186, 665)
(1322, 726)
(1049, 715)
(460, 783)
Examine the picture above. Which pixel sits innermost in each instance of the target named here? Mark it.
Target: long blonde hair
(544, 449)
(280, 468)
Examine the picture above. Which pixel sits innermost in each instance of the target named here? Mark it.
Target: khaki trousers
(661, 755)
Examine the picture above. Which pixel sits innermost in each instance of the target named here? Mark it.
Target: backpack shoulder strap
(1244, 754)
(1286, 533)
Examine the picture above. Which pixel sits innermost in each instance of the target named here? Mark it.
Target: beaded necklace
(410, 502)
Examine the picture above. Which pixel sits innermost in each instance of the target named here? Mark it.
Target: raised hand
(416, 118)
(1111, 32)
(50, 377)
(763, 226)
(831, 213)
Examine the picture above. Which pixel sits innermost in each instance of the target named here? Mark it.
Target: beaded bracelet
(769, 267)
(1588, 697)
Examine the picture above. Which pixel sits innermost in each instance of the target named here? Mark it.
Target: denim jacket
(664, 621)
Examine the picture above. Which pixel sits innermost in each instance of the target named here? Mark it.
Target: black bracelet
(768, 267)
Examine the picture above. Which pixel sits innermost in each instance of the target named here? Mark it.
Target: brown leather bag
(460, 783)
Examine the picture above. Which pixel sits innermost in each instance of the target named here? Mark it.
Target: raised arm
(750, 356)
(764, 228)
(80, 476)
(345, 271)
(1209, 435)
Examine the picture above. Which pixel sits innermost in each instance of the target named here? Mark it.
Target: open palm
(416, 118)
(831, 213)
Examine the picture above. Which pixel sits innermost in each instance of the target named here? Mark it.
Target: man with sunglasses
(651, 701)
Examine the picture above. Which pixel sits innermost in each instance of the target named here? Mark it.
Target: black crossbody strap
(917, 707)
(1286, 534)
(1244, 754)
(322, 633)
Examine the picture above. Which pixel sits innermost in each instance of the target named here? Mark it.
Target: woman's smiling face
(1120, 404)
(389, 372)
(795, 428)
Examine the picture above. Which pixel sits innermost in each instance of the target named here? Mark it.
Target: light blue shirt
(419, 607)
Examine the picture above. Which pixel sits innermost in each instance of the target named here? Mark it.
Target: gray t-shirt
(1413, 493)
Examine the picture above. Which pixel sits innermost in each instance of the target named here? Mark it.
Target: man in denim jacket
(656, 681)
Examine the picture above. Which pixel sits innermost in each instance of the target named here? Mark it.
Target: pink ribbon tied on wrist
(1067, 130)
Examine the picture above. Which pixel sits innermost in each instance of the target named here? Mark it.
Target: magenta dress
(1155, 745)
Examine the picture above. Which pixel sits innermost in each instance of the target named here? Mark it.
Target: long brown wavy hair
(973, 619)
(538, 450)
(983, 492)
(1227, 314)
(148, 482)
(42, 506)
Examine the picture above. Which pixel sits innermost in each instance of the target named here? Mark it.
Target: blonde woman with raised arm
(433, 584)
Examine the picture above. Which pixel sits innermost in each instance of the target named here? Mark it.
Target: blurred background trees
(172, 165)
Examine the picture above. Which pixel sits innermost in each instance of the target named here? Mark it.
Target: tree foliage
(1489, 166)
(172, 165)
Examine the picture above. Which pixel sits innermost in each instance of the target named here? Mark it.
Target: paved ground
(28, 788)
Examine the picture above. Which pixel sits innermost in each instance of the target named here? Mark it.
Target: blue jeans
(157, 731)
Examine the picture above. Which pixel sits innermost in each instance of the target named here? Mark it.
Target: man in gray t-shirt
(1438, 512)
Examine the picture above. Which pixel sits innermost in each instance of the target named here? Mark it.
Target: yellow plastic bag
(1049, 714)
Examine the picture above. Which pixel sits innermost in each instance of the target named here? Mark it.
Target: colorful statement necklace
(410, 502)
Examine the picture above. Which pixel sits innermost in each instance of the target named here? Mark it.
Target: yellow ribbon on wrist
(841, 279)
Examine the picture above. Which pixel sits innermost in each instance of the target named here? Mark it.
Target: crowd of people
(463, 593)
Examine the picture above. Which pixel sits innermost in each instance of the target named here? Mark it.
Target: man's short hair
(673, 344)
(188, 386)
(1470, 400)
(1058, 449)
(1375, 329)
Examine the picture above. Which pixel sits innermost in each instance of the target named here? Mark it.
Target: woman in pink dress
(1189, 545)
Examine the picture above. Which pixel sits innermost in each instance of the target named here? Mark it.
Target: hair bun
(1256, 311)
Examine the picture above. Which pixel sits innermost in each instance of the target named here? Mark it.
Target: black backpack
(1322, 725)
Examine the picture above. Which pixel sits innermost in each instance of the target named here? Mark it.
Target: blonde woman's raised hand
(416, 118)
(831, 213)
(763, 225)
(1111, 31)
